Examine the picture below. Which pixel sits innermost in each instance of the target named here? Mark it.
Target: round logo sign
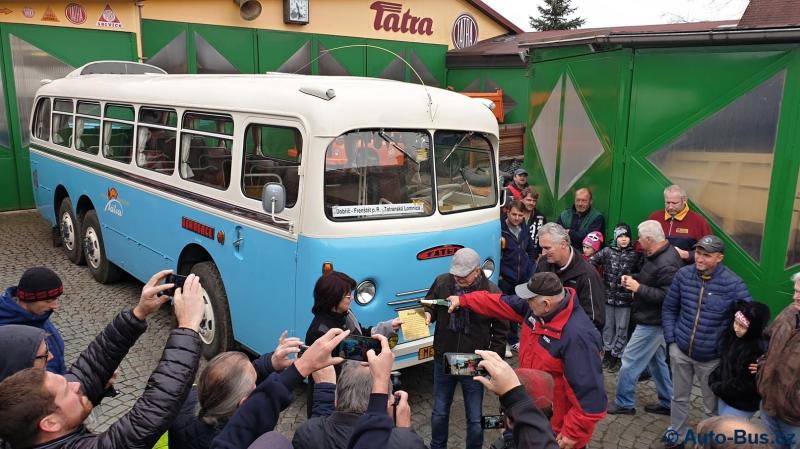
(75, 13)
(28, 12)
(465, 31)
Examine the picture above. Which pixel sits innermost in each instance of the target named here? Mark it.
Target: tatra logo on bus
(197, 228)
(438, 251)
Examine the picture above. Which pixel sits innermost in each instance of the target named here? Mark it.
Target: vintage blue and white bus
(260, 183)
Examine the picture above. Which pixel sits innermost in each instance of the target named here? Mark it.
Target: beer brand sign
(465, 31)
(388, 18)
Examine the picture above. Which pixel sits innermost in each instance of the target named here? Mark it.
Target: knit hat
(594, 239)
(39, 284)
(622, 229)
(538, 385)
(19, 344)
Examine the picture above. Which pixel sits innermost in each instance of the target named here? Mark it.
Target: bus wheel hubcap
(67, 232)
(208, 324)
(92, 246)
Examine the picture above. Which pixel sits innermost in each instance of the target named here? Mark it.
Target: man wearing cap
(460, 332)
(581, 218)
(518, 183)
(558, 338)
(31, 303)
(697, 310)
(682, 227)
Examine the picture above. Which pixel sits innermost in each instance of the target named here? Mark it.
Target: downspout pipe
(139, 49)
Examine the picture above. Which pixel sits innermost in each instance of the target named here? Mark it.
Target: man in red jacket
(558, 338)
(682, 227)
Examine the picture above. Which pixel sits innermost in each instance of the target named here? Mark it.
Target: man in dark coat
(646, 347)
(48, 410)
(461, 332)
(562, 259)
(581, 218)
(31, 303)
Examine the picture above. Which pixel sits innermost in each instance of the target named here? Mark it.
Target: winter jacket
(684, 229)
(515, 192)
(697, 310)
(732, 380)
(654, 279)
(534, 223)
(12, 313)
(579, 225)
(564, 344)
(166, 389)
(484, 332)
(617, 262)
(334, 432)
(373, 428)
(531, 428)
(518, 258)
(188, 431)
(586, 281)
(260, 412)
(324, 322)
(778, 378)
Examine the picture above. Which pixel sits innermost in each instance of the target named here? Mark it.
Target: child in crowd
(617, 259)
(592, 244)
(733, 381)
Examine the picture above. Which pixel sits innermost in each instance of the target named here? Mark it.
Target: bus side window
(41, 124)
(118, 133)
(63, 123)
(155, 147)
(271, 154)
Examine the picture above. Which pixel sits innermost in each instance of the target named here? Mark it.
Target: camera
(463, 364)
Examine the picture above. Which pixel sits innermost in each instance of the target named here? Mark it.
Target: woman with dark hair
(333, 294)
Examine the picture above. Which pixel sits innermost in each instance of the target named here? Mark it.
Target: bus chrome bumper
(407, 354)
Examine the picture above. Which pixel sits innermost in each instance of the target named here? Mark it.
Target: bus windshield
(383, 173)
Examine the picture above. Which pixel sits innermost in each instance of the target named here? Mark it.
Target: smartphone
(355, 347)
(493, 421)
(463, 364)
(176, 279)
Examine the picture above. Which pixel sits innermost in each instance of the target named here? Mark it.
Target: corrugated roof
(770, 13)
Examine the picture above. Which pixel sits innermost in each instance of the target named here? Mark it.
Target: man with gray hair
(682, 227)
(646, 347)
(559, 257)
(353, 390)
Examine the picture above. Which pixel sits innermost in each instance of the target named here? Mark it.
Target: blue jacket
(698, 332)
(518, 261)
(12, 313)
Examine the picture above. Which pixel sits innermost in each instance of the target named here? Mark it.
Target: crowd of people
(661, 305)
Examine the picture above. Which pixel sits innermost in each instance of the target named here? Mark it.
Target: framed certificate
(295, 11)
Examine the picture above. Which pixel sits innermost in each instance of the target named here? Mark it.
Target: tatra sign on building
(465, 31)
(388, 18)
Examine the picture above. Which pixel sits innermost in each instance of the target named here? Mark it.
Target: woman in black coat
(734, 381)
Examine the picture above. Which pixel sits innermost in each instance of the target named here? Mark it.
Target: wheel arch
(84, 205)
(58, 197)
(190, 255)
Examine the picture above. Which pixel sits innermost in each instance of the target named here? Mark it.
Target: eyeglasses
(46, 354)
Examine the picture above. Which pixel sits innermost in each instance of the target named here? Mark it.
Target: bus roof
(358, 102)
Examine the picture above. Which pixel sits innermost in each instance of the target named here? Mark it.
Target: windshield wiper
(456, 146)
(461, 171)
(392, 143)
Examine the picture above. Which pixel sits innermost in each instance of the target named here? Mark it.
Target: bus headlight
(488, 268)
(365, 292)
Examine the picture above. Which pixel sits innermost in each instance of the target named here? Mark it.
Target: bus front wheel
(94, 251)
(215, 329)
(70, 231)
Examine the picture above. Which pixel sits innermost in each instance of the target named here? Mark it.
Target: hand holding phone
(355, 347)
(463, 364)
(493, 421)
(175, 279)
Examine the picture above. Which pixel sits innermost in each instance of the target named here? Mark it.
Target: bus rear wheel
(215, 329)
(70, 231)
(94, 251)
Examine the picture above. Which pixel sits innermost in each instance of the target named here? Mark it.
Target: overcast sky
(602, 13)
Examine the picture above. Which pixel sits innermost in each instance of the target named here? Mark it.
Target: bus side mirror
(273, 198)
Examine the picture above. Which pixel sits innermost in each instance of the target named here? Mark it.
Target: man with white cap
(460, 332)
(558, 338)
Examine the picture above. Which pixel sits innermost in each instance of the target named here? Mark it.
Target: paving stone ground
(87, 306)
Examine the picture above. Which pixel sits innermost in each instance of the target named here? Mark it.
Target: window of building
(87, 127)
(206, 150)
(156, 140)
(118, 133)
(726, 161)
(63, 122)
(41, 124)
(271, 154)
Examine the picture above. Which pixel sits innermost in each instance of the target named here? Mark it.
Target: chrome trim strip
(403, 301)
(413, 292)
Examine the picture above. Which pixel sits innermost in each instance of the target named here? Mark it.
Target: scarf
(459, 320)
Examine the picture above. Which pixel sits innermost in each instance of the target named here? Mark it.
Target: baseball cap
(711, 243)
(520, 171)
(464, 261)
(541, 284)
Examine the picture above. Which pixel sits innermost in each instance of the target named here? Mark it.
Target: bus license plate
(426, 352)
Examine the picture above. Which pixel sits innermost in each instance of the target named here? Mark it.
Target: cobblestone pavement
(87, 306)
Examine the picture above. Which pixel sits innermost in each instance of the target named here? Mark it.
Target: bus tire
(70, 229)
(94, 251)
(215, 329)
